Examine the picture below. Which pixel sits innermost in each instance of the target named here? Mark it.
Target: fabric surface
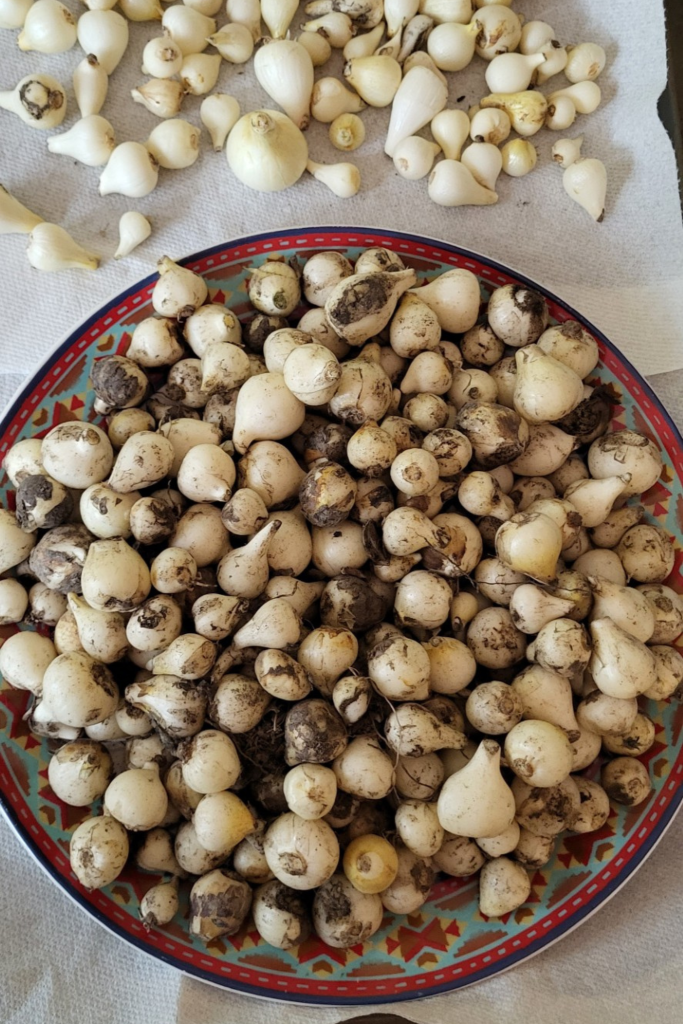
(59, 966)
(623, 274)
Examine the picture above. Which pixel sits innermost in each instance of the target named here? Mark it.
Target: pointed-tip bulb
(52, 248)
(134, 228)
(585, 181)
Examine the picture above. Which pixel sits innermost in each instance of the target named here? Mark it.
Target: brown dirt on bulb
(314, 733)
(423, 876)
(225, 910)
(351, 604)
(332, 902)
(115, 382)
(35, 489)
(359, 300)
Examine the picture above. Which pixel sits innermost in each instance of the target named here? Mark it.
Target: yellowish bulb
(347, 132)
(370, 863)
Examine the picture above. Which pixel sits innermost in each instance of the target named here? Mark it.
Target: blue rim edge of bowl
(232, 984)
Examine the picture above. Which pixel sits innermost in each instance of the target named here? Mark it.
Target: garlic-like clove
(278, 16)
(318, 47)
(585, 62)
(585, 96)
(219, 114)
(15, 219)
(234, 43)
(585, 181)
(275, 625)
(364, 391)
(414, 157)
(420, 96)
(490, 125)
(451, 128)
(141, 10)
(532, 608)
(362, 45)
(620, 665)
(420, 58)
(526, 109)
(504, 885)
(266, 408)
(331, 98)
(354, 320)
(517, 315)
(102, 633)
(161, 96)
(451, 45)
(52, 248)
(134, 228)
(49, 27)
(336, 27)
(224, 367)
(546, 450)
(131, 171)
(413, 731)
(512, 72)
(555, 60)
(566, 152)
(375, 79)
(189, 28)
(207, 473)
(476, 801)
(530, 543)
(560, 115)
(174, 144)
(519, 157)
(91, 141)
(391, 48)
(398, 13)
(178, 292)
(189, 656)
(365, 14)
(594, 499)
(244, 571)
(347, 132)
(200, 71)
(312, 374)
(177, 708)
(285, 70)
(414, 36)
(343, 179)
(535, 36)
(485, 162)
(500, 30)
(545, 389)
(39, 100)
(245, 12)
(625, 606)
(90, 82)
(105, 35)
(451, 183)
(13, 13)
(454, 297)
(266, 151)
(162, 58)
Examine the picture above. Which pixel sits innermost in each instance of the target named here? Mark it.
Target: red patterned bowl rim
(556, 924)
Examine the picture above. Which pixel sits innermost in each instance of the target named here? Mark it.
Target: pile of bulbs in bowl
(330, 608)
(399, 56)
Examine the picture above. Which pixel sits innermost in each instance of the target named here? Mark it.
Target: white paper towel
(625, 274)
(624, 965)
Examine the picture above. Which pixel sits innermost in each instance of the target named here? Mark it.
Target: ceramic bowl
(447, 944)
